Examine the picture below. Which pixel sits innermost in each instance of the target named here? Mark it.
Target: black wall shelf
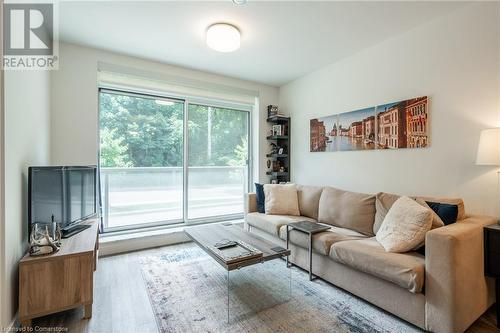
(277, 155)
(277, 137)
(281, 141)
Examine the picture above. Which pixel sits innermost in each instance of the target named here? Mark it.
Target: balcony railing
(135, 197)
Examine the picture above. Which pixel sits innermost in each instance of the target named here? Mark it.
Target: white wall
(75, 110)
(26, 138)
(455, 61)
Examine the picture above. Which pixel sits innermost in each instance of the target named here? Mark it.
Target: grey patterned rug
(188, 293)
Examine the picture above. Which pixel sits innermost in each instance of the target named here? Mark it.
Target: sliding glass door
(217, 161)
(141, 159)
(145, 142)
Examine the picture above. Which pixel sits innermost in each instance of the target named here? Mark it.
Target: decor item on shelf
(280, 151)
(389, 126)
(488, 150)
(277, 130)
(272, 110)
(45, 238)
(276, 166)
(274, 181)
(268, 164)
(274, 148)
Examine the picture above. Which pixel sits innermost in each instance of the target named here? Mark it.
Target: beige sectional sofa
(443, 291)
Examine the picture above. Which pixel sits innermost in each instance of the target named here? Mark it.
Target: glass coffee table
(253, 283)
(309, 228)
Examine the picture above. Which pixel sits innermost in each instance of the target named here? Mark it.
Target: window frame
(187, 100)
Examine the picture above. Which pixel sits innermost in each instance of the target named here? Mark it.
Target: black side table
(309, 228)
(492, 259)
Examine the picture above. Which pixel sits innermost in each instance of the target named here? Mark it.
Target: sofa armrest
(250, 203)
(457, 292)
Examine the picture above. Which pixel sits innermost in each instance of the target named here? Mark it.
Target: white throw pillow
(405, 225)
(281, 199)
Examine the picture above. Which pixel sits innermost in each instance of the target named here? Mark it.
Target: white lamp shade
(488, 151)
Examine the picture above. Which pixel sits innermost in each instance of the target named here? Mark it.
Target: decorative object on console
(44, 238)
(394, 125)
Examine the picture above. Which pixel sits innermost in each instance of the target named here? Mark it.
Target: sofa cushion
(406, 270)
(405, 226)
(309, 200)
(322, 241)
(451, 201)
(281, 199)
(259, 191)
(448, 213)
(349, 210)
(272, 223)
(384, 202)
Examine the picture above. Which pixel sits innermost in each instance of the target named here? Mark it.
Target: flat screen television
(69, 193)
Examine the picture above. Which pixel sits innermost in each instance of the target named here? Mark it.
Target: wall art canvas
(357, 130)
(322, 131)
(402, 124)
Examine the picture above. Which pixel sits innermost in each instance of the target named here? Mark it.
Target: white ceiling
(281, 41)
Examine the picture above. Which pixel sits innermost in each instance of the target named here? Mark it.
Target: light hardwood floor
(121, 303)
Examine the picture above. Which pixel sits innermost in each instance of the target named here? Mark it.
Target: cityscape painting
(357, 130)
(389, 126)
(322, 132)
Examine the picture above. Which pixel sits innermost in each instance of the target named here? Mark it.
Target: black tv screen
(68, 193)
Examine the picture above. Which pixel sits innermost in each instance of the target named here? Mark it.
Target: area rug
(188, 293)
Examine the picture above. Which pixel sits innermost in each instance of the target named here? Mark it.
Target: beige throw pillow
(404, 226)
(384, 202)
(309, 200)
(351, 210)
(281, 199)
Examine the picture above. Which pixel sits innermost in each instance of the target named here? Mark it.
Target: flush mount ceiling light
(239, 2)
(223, 37)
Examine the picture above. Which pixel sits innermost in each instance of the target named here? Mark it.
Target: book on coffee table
(234, 251)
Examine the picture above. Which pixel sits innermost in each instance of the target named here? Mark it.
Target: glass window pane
(217, 161)
(141, 159)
